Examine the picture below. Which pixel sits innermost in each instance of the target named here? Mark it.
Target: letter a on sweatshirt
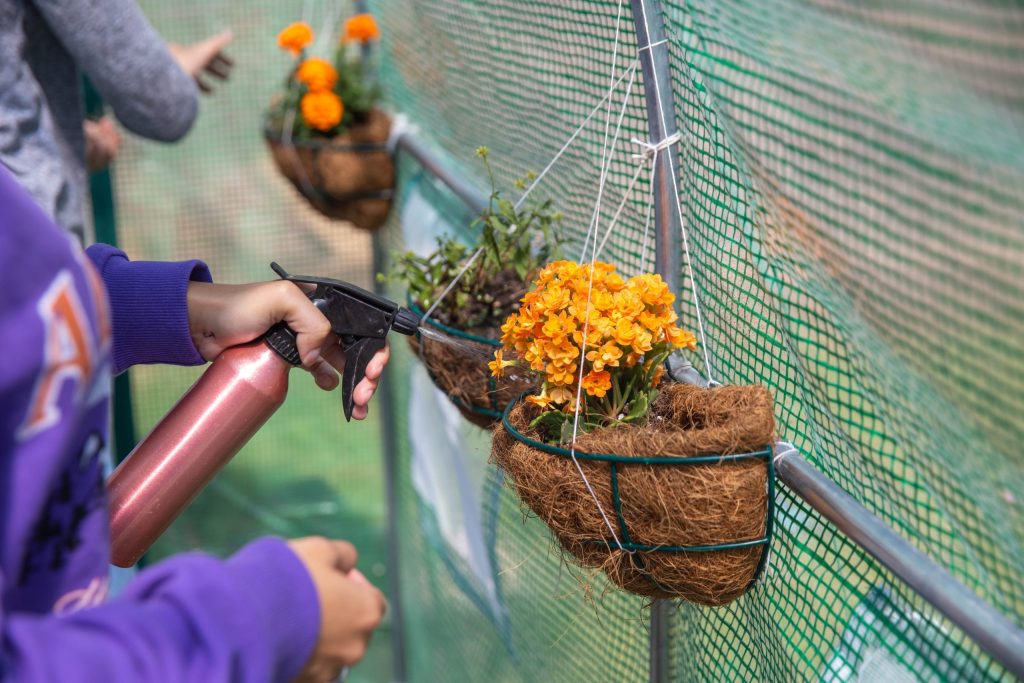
(68, 353)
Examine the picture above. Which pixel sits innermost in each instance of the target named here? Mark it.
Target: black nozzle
(406, 322)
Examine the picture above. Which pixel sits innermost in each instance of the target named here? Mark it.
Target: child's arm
(255, 617)
(128, 62)
(169, 312)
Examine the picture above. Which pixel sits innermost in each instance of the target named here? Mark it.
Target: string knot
(650, 149)
(783, 450)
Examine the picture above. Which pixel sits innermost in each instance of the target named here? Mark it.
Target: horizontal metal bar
(993, 632)
(473, 198)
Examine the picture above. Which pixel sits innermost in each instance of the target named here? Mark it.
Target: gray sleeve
(128, 62)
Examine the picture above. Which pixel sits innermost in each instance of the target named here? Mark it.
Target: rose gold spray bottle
(236, 395)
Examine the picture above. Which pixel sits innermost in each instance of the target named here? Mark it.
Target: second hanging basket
(689, 495)
(457, 364)
(350, 177)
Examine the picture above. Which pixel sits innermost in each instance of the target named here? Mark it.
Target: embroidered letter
(67, 356)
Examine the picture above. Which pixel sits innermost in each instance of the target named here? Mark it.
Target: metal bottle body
(236, 395)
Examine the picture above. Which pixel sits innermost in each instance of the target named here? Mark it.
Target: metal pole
(652, 48)
(993, 632)
(385, 400)
(462, 189)
(104, 219)
(386, 405)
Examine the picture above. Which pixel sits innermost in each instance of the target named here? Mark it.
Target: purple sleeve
(148, 309)
(251, 619)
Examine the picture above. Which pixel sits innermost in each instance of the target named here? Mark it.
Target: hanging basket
(457, 364)
(350, 177)
(690, 494)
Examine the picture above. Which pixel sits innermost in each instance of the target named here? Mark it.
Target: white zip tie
(652, 148)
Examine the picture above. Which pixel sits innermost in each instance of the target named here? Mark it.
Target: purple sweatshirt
(254, 617)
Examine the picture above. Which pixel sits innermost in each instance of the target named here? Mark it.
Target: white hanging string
(622, 205)
(693, 279)
(307, 12)
(606, 158)
(331, 17)
(631, 72)
(452, 284)
(650, 211)
(606, 164)
(606, 149)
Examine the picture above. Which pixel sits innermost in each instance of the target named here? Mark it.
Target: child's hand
(206, 56)
(102, 142)
(350, 608)
(227, 315)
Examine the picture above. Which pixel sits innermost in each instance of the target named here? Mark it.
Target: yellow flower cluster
(627, 324)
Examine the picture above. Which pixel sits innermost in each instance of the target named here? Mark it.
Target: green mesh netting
(851, 177)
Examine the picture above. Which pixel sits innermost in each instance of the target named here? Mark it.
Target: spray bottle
(236, 395)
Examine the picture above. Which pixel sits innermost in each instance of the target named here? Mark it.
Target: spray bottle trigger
(357, 356)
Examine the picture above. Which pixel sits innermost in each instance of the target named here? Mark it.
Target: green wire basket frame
(766, 454)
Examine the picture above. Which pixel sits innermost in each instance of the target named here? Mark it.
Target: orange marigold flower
(597, 383)
(317, 74)
(652, 322)
(594, 337)
(643, 341)
(499, 364)
(321, 110)
(295, 37)
(627, 326)
(628, 303)
(361, 28)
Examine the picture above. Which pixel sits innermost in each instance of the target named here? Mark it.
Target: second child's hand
(205, 57)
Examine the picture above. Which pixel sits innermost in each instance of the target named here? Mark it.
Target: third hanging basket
(350, 177)
(689, 494)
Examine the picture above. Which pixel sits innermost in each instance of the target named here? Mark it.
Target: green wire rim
(494, 412)
(628, 545)
(415, 308)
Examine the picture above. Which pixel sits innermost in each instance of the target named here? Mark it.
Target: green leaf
(549, 422)
(506, 209)
(567, 430)
(637, 409)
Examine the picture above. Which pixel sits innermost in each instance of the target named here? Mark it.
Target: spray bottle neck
(281, 339)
